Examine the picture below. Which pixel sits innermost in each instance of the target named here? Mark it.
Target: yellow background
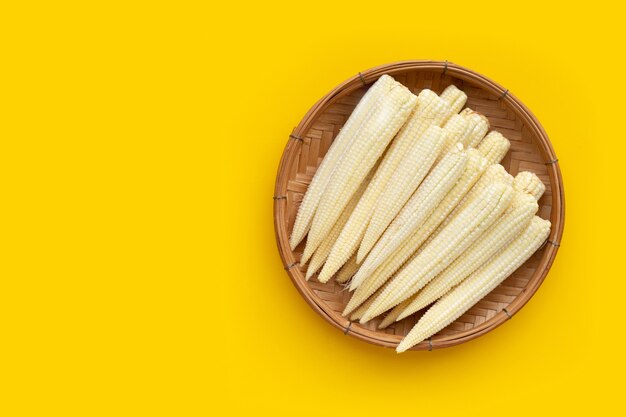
(140, 143)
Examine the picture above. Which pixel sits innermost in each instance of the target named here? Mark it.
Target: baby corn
(479, 284)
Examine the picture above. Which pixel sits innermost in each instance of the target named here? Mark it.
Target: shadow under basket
(530, 151)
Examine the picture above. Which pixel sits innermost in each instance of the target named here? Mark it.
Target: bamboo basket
(530, 151)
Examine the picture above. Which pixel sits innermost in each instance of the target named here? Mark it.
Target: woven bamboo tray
(530, 151)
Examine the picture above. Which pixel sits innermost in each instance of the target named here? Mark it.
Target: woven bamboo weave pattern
(530, 151)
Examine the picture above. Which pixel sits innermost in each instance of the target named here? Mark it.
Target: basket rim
(364, 78)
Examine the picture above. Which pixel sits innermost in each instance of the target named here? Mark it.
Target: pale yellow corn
(430, 110)
(493, 173)
(324, 248)
(508, 227)
(479, 284)
(364, 110)
(455, 129)
(475, 167)
(479, 125)
(364, 306)
(372, 139)
(467, 128)
(453, 240)
(454, 97)
(381, 276)
(530, 183)
(416, 211)
(393, 314)
(494, 146)
(458, 200)
(402, 184)
(347, 270)
(371, 286)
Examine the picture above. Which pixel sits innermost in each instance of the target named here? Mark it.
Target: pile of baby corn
(410, 207)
